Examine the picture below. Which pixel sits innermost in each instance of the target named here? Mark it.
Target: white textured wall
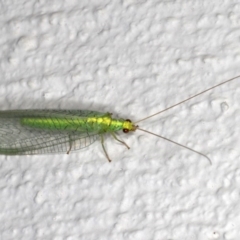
(131, 58)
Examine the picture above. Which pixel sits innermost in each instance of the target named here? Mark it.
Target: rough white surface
(131, 58)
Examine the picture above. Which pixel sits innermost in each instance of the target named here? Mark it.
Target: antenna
(176, 144)
(229, 80)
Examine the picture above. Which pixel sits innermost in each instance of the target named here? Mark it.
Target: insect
(24, 132)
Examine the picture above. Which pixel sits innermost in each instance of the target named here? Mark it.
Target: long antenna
(176, 144)
(188, 99)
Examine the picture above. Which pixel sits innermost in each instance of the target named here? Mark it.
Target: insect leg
(70, 143)
(115, 137)
(104, 149)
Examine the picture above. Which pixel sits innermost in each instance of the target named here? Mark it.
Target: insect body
(53, 131)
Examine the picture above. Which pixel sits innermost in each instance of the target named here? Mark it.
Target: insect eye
(125, 130)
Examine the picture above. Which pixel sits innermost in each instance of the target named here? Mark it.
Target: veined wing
(16, 139)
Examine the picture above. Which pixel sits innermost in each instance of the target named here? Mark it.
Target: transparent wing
(16, 139)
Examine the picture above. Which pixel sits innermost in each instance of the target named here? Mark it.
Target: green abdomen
(53, 123)
(99, 124)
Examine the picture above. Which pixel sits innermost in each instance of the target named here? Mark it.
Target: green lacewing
(29, 132)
